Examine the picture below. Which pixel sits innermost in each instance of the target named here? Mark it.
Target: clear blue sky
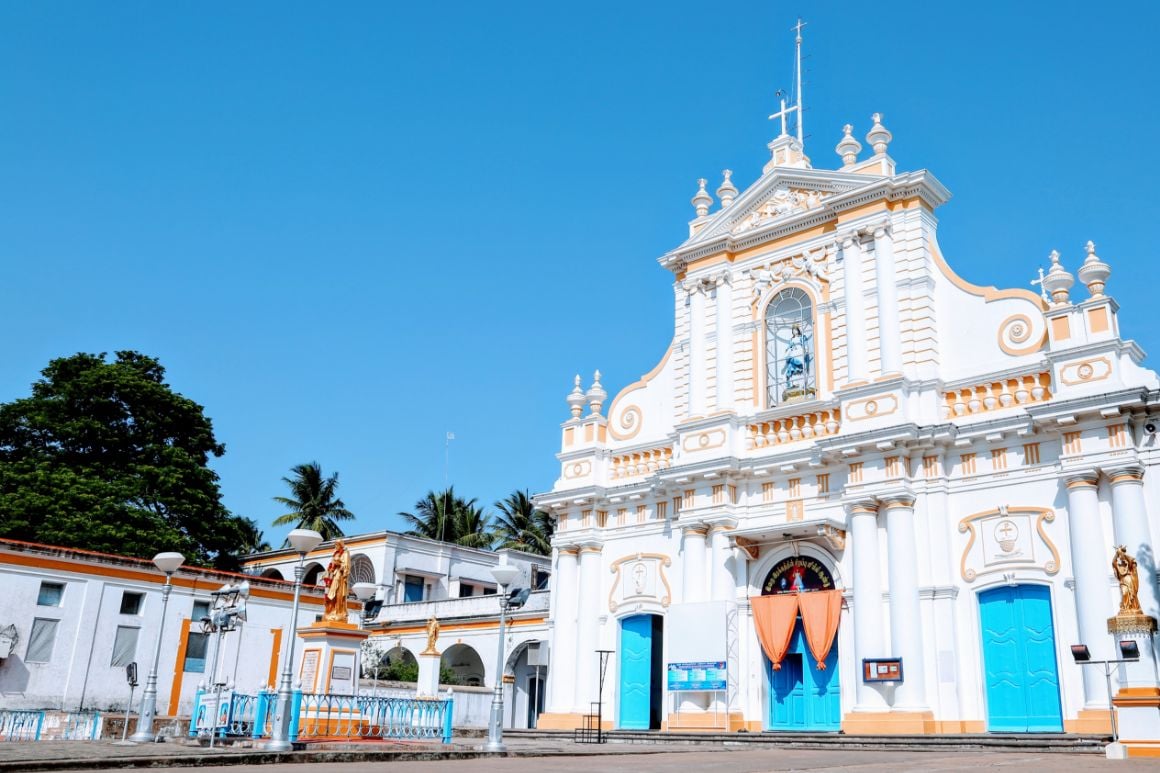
(347, 228)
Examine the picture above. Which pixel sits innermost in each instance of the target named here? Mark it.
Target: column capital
(568, 550)
(1081, 479)
(721, 524)
(892, 501)
(862, 506)
(591, 547)
(1127, 473)
(695, 528)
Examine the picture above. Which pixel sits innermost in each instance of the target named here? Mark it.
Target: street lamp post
(168, 563)
(503, 574)
(302, 541)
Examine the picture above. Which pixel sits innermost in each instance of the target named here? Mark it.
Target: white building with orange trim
(81, 617)
(839, 410)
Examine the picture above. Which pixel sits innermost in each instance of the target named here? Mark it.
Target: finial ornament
(1094, 272)
(576, 399)
(728, 191)
(702, 200)
(848, 147)
(596, 396)
(879, 136)
(1058, 281)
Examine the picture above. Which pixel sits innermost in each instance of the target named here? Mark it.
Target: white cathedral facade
(857, 493)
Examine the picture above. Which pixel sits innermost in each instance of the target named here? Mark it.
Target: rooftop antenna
(798, 78)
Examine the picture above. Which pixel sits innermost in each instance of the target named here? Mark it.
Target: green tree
(106, 456)
(444, 516)
(253, 539)
(313, 502)
(520, 526)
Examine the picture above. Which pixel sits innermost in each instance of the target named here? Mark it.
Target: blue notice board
(697, 677)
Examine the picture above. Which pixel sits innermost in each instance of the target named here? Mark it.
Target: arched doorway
(527, 666)
(1020, 674)
(641, 671)
(272, 574)
(465, 662)
(313, 574)
(803, 694)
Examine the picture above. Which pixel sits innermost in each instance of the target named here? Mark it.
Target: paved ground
(741, 761)
(553, 756)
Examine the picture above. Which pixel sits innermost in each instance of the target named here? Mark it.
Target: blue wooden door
(802, 696)
(635, 671)
(1019, 668)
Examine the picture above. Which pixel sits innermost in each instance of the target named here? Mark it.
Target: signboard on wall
(882, 670)
(309, 673)
(797, 573)
(706, 676)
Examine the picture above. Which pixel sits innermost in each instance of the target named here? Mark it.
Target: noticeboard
(882, 670)
(709, 676)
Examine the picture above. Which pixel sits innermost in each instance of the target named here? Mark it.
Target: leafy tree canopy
(444, 516)
(520, 526)
(313, 502)
(106, 456)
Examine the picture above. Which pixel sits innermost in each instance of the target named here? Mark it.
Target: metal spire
(798, 79)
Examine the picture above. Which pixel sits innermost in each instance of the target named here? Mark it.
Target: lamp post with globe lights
(302, 541)
(168, 563)
(504, 574)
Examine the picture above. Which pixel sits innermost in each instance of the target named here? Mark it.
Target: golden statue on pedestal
(1124, 567)
(337, 583)
(432, 637)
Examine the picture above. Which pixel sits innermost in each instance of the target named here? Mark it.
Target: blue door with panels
(637, 693)
(1019, 667)
(802, 697)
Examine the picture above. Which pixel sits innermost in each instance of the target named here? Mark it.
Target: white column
(855, 309)
(905, 618)
(694, 582)
(720, 567)
(868, 617)
(1130, 523)
(1090, 564)
(589, 627)
(697, 381)
(724, 343)
(565, 595)
(889, 329)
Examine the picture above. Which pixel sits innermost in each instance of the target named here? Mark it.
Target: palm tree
(444, 516)
(520, 526)
(312, 502)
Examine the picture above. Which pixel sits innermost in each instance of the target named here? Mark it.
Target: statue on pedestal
(432, 637)
(337, 583)
(1124, 567)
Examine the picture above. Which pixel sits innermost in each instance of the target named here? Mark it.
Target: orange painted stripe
(465, 626)
(180, 581)
(179, 668)
(275, 652)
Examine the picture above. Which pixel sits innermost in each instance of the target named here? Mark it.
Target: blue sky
(348, 228)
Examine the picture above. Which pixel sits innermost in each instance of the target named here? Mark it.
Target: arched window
(362, 570)
(789, 348)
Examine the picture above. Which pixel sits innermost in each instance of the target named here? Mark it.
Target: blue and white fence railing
(357, 717)
(21, 725)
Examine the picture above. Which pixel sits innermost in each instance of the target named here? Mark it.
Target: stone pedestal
(428, 684)
(330, 657)
(1137, 704)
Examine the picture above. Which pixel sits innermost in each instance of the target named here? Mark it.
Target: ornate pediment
(782, 202)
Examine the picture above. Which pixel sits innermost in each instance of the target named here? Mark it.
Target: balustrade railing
(322, 715)
(21, 725)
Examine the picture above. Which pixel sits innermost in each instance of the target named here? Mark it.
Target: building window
(412, 588)
(124, 646)
(789, 348)
(131, 603)
(51, 594)
(662, 510)
(41, 639)
(968, 464)
(466, 591)
(824, 483)
(197, 643)
(1031, 453)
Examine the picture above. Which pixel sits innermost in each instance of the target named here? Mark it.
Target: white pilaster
(889, 329)
(697, 380)
(868, 617)
(565, 595)
(1089, 564)
(905, 619)
(855, 309)
(724, 343)
(694, 582)
(724, 587)
(589, 627)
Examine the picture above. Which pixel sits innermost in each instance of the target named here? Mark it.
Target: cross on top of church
(1039, 281)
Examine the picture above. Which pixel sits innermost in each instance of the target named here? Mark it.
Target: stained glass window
(789, 348)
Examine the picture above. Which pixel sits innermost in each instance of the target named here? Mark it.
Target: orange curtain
(820, 612)
(774, 616)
